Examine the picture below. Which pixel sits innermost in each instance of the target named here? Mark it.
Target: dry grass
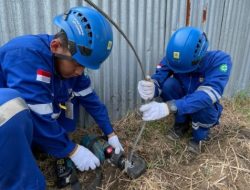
(223, 165)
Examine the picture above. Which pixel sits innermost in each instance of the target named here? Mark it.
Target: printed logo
(109, 45)
(176, 55)
(78, 27)
(223, 67)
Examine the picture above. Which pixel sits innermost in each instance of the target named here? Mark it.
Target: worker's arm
(92, 104)
(20, 68)
(211, 90)
(150, 88)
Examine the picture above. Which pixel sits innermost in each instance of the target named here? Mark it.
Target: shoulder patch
(223, 67)
(176, 55)
(43, 76)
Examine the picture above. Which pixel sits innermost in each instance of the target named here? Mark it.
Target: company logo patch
(201, 79)
(43, 76)
(223, 68)
(176, 55)
(109, 46)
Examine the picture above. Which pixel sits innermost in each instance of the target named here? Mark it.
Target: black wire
(121, 32)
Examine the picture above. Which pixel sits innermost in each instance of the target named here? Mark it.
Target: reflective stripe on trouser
(203, 120)
(18, 168)
(199, 133)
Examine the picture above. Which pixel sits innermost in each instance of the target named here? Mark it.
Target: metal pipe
(121, 32)
(139, 61)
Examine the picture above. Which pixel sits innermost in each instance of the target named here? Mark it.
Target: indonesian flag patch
(43, 76)
(159, 66)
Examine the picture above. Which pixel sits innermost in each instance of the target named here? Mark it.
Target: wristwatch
(172, 106)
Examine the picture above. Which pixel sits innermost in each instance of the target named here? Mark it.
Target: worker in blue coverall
(190, 80)
(45, 74)
(18, 168)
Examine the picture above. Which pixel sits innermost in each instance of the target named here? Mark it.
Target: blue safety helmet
(186, 47)
(90, 37)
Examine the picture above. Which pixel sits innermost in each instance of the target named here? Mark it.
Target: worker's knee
(171, 89)
(207, 116)
(203, 120)
(15, 118)
(16, 129)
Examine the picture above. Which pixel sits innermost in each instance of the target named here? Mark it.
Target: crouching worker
(48, 72)
(190, 80)
(18, 168)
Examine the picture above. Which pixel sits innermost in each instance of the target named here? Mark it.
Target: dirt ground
(224, 163)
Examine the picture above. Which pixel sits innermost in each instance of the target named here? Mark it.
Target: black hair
(63, 38)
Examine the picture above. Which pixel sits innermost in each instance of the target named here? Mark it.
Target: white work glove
(154, 110)
(115, 143)
(84, 159)
(146, 89)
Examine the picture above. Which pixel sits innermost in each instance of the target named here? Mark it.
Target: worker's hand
(84, 159)
(146, 89)
(154, 110)
(115, 143)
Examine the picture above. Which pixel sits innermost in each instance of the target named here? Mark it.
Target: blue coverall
(18, 168)
(196, 94)
(27, 65)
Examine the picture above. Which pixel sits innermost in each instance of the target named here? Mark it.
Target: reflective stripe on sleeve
(11, 108)
(84, 92)
(213, 94)
(41, 109)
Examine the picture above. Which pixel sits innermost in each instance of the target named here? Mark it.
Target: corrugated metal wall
(148, 24)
